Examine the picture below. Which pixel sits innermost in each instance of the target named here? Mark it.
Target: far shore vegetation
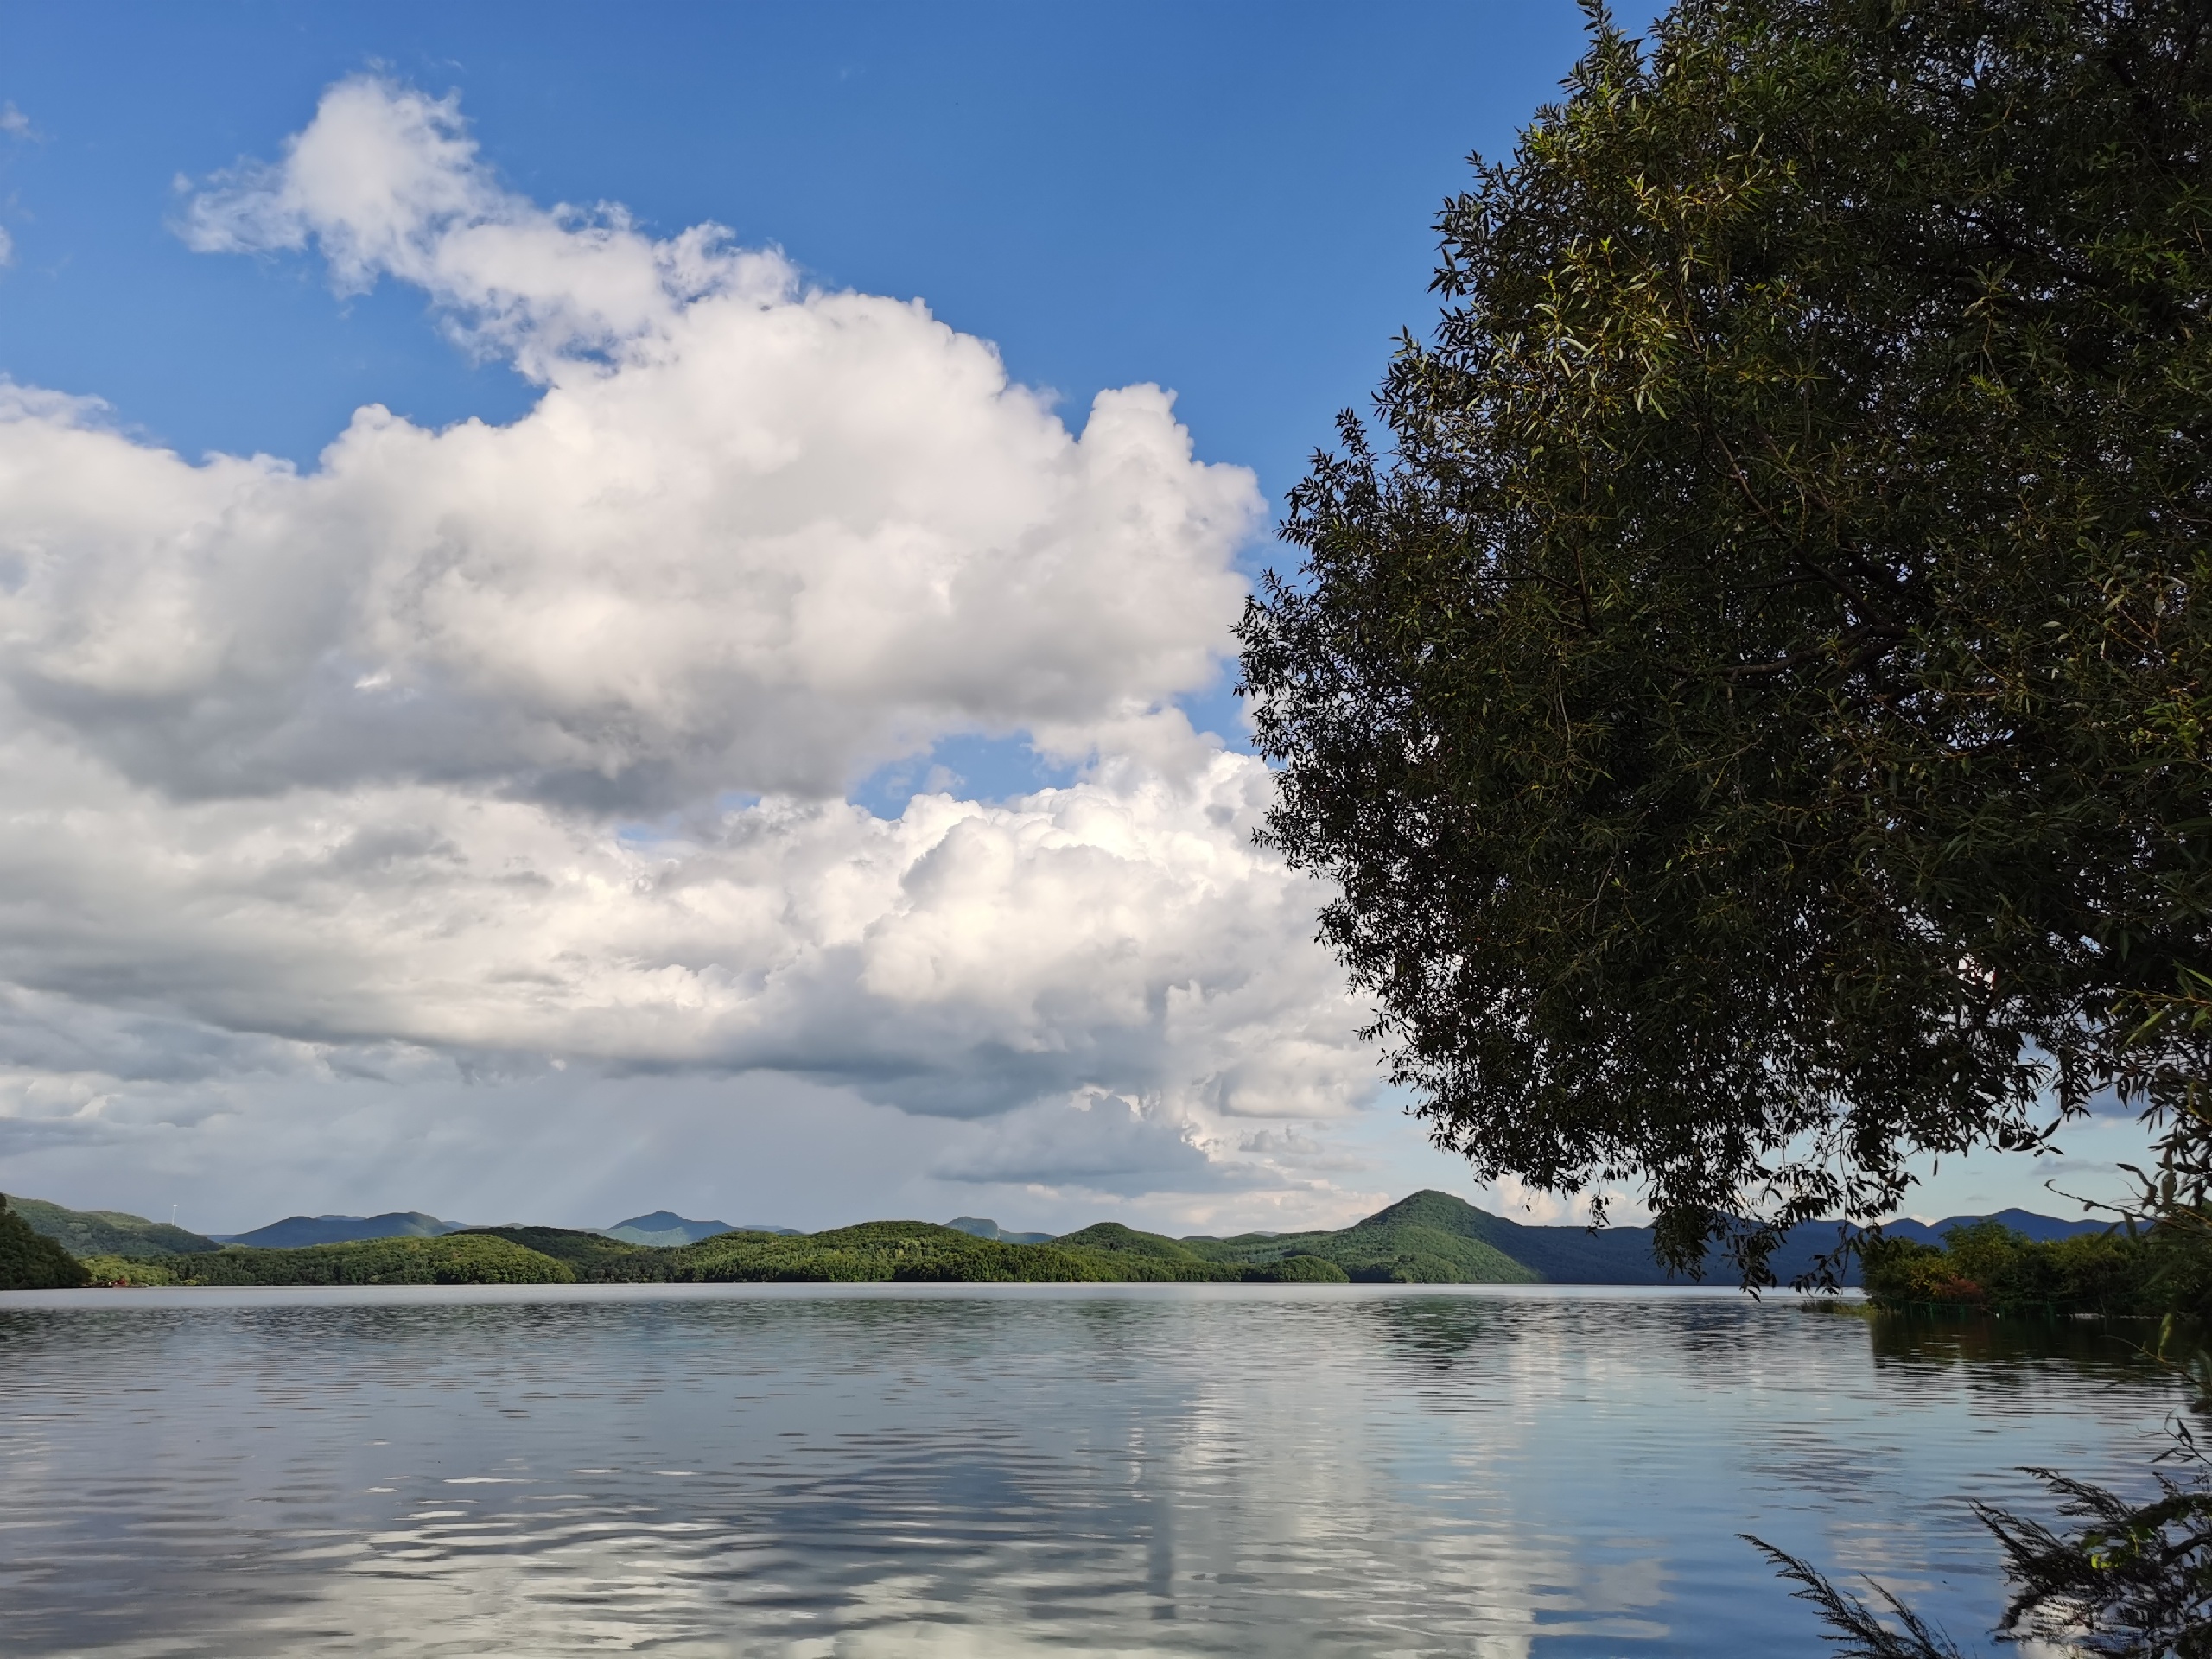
(1429, 1238)
(1980, 1266)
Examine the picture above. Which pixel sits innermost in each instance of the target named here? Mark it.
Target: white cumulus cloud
(527, 744)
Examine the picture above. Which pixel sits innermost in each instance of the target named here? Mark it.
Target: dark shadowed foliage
(450, 1259)
(1753, 703)
(1754, 708)
(30, 1260)
(1987, 1265)
(2128, 1580)
(303, 1232)
(594, 1257)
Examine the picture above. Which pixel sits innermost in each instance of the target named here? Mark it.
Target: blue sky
(1233, 200)
(1060, 1007)
(1230, 199)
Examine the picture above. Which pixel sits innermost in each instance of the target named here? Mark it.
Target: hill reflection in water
(1013, 1471)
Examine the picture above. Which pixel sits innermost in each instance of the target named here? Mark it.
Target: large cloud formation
(531, 744)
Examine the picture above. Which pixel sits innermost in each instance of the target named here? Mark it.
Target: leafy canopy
(1753, 709)
(29, 1260)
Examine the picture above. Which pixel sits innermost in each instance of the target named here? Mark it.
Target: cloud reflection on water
(1201, 1470)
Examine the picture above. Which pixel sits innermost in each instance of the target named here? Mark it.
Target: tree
(1753, 708)
(31, 1260)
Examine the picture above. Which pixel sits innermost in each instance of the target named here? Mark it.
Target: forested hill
(96, 1232)
(302, 1232)
(1429, 1238)
(1434, 1238)
(1413, 1229)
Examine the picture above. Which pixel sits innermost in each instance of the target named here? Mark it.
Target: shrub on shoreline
(1987, 1265)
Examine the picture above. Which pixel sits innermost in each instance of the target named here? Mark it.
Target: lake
(805, 1472)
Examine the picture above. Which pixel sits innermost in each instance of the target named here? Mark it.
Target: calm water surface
(1023, 1469)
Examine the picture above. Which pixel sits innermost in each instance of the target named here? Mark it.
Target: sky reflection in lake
(1022, 1470)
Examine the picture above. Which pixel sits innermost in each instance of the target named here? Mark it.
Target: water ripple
(1024, 1471)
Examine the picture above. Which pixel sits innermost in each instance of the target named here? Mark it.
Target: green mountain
(446, 1258)
(900, 1250)
(1572, 1255)
(302, 1232)
(918, 1251)
(663, 1228)
(30, 1260)
(1167, 1258)
(983, 1227)
(1431, 1238)
(107, 1232)
(593, 1257)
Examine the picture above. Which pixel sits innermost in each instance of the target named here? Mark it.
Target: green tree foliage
(2128, 1580)
(452, 1259)
(1431, 1238)
(1257, 1258)
(132, 1272)
(1296, 1269)
(1754, 709)
(30, 1260)
(1988, 1265)
(593, 1257)
(1152, 1255)
(89, 1232)
(917, 1251)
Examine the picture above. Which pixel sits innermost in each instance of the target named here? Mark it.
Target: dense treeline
(875, 1252)
(1430, 1238)
(1258, 1258)
(29, 1260)
(2157, 1272)
(455, 1259)
(592, 1258)
(913, 1251)
(879, 1250)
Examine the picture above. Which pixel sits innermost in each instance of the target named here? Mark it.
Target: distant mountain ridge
(1430, 1238)
(664, 1229)
(303, 1232)
(979, 1227)
(2027, 1223)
